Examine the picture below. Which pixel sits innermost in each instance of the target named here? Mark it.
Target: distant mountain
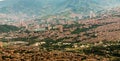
(51, 7)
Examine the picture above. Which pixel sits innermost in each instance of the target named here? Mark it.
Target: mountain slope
(51, 7)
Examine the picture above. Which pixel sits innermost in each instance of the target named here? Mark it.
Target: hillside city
(58, 32)
(82, 39)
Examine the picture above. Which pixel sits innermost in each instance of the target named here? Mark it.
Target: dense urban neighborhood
(80, 30)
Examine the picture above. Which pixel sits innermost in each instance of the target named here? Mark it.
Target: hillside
(7, 28)
(51, 7)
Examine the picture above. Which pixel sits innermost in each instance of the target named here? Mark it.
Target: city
(67, 36)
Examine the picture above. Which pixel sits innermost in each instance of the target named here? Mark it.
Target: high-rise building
(21, 23)
(60, 27)
(92, 14)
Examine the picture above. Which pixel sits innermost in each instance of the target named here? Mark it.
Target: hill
(8, 28)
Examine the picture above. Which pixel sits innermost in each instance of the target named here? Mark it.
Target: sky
(1, 0)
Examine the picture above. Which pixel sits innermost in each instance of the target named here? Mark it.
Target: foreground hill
(30, 53)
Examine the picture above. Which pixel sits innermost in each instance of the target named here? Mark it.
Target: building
(1, 44)
(92, 14)
(60, 27)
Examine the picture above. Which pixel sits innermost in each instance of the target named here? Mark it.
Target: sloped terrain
(50, 7)
(8, 28)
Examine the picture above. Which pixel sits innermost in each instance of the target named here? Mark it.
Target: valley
(59, 30)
